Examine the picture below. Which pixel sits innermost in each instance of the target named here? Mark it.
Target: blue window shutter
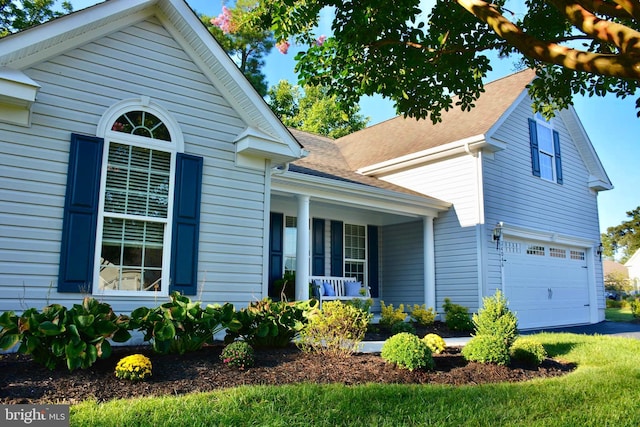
(276, 249)
(317, 247)
(80, 221)
(186, 224)
(556, 149)
(337, 249)
(372, 258)
(535, 156)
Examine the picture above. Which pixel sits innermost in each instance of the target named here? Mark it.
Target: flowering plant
(135, 367)
(238, 354)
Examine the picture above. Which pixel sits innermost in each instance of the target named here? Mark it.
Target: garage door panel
(546, 285)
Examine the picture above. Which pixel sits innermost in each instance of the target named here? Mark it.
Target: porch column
(302, 249)
(429, 263)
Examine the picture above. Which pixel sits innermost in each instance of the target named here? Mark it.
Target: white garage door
(546, 284)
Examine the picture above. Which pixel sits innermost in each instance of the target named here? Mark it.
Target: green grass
(604, 390)
(619, 314)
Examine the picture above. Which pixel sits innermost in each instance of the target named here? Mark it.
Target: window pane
(141, 123)
(546, 166)
(290, 241)
(545, 138)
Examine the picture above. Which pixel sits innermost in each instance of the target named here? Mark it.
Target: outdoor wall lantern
(600, 250)
(497, 233)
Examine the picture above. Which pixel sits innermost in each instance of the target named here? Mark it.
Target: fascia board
(546, 236)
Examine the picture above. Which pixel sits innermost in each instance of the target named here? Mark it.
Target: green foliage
(457, 316)
(180, 325)
(19, 15)
(422, 315)
(527, 350)
(435, 343)
(136, 367)
(486, 349)
(285, 288)
(238, 354)
(617, 281)
(421, 59)
(400, 327)
(389, 315)
(495, 318)
(76, 336)
(408, 352)
(313, 110)
(337, 329)
(624, 237)
(361, 304)
(268, 323)
(635, 308)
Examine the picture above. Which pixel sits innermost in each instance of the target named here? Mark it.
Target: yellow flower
(135, 367)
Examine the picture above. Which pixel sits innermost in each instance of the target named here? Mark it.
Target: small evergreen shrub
(361, 304)
(635, 308)
(495, 318)
(407, 351)
(422, 315)
(457, 316)
(337, 330)
(136, 367)
(528, 351)
(486, 349)
(238, 354)
(611, 303)
(435, 343)
(403, 327)
(389, 316)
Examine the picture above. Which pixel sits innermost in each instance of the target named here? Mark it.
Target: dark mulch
(23, 381)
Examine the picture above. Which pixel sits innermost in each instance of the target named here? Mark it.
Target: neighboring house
(137, 160)
(633, 267)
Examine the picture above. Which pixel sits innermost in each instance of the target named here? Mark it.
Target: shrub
(268, 323)
(611, 303)
(180, 325)
(389, 315)
(338, 329)
(400, 327)
(422, 315)
(495, 318)
(407, 351)
(136, 367)
(435, 343)
(78, 336)
(528, 351)
(486, 349)
(238, 354)
(361, 304)
(635, 308)
(457, 316)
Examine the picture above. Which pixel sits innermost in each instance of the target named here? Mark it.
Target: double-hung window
(545, 150)
(355, 251)
(290, 242)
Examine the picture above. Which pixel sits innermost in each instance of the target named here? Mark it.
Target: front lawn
(619, 314)
(604, 390)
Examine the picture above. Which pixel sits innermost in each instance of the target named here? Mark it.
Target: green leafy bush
(407, 351)
(435, 343)
(400, 327)
(457, 316)
(361, 304)
(238, 354)
(635, 308)
(338, 329)
(486, 349)
(611, 303)
(180, 326)
(77, 336)
(422, 315)
(495, 318)
(389, 315)
(268, 323)
(136, 367)
(528, 351)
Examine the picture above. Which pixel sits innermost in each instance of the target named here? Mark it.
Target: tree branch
(632, 7)
(605, 8)
(625, 65)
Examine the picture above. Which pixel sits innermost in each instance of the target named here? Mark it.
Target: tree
(246, 45)
(19, 15)
(624, 237)
(313, 110)
(618, 282)
(419, 59)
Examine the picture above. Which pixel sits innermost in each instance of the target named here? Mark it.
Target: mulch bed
(23, 381)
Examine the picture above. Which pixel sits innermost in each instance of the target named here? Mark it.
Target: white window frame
(287, 250)
(174, 146)
(545, 126)
(365, 261)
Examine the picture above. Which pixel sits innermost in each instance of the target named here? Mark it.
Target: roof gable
(24, 49)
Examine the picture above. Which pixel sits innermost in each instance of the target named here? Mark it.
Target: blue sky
(611, 124)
